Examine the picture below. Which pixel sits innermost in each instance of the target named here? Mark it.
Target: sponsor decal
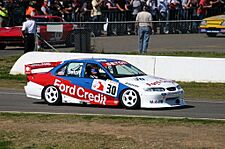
(139, 79)
(222, 30)
(108, 87)
(98, 85)
(203, 30)
(58, 36)
(212, 31)
(30, 67)
(80, 92)
(114, 63)
(158, 82)
(155, 101)
(129, 84)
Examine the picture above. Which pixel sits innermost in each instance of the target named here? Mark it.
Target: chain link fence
(83, 36)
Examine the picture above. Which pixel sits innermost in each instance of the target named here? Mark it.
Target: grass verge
(45, 131)
(84, 132)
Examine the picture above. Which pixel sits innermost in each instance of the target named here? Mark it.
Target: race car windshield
(124, 70)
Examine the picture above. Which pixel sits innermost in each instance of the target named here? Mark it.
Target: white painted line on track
(116, 115)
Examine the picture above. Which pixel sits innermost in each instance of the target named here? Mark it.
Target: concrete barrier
(176, 68)
(189, 69)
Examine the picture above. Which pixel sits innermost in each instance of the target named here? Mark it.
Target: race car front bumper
(162, 100)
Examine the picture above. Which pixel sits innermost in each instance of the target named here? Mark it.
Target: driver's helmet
(94, 71)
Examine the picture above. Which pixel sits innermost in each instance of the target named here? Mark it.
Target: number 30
(111, 89)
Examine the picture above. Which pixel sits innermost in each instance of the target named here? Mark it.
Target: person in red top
(202, 9)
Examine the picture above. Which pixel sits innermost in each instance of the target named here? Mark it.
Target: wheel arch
(43, 90)
(138, 95)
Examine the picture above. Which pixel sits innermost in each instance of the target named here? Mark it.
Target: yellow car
(213, 25)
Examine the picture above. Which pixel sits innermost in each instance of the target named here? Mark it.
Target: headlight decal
(223, 23)
(154, 89)
(203, 23)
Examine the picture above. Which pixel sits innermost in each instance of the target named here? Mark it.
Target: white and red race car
(116, 82)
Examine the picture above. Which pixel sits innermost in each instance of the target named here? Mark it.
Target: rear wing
(32, 68)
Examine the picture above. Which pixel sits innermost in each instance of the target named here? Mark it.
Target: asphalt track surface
(15, 100)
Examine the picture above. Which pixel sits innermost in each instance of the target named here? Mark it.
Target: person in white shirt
(144, 23)
(29, 30)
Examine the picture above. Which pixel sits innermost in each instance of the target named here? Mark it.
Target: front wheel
(52, 95)
(130, 99)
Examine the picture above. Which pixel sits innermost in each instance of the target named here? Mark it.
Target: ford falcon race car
(100, 81)
(12, 36)
(213, 25)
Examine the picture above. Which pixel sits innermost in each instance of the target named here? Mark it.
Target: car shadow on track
(115, 107)
(172, 108)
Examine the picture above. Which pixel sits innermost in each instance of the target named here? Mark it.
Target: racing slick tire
(130, 99)
(211, 34)
(2, 46)
(52, 95)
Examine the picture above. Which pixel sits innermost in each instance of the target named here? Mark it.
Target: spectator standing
(44, 8)
(164, 16)
(76, 5)
(68, 10)
(10, 6)
(85, 10)
(175, 7)
(215, 10)
(56, 8)
(110, 17)
(29, 30)
(192, 6)
(31, 10)
(96, 15)
(143, 21)
(122, 6)
(19, 11)
(136, 6)
(153, 8)
(204, 5)
(3, 15)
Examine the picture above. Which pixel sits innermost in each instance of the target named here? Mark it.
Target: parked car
(213, 25)
(52, 29)
(117, 83)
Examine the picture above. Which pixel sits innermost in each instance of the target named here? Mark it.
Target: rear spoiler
(30, 67)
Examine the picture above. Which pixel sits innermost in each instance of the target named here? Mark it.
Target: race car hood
(147, 81)
(11, 31)
(213, 22)
(219, 17)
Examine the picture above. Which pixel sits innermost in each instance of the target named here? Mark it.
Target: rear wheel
(52, 95)
(2, 46)
(130, 99)
(211, 34)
